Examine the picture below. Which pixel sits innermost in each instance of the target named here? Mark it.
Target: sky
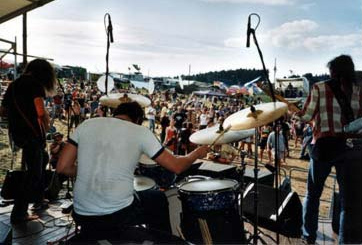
(166, 37)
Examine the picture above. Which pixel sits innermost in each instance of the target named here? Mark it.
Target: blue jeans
(317, 175)
(151, 125)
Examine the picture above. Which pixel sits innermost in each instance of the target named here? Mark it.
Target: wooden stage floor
(54, 226)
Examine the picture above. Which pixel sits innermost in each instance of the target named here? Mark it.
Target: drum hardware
(191, 178)
(256, 116)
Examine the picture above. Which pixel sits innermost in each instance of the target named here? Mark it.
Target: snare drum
(163, 177)
(209, 194)
(142, 183)
(191, 178)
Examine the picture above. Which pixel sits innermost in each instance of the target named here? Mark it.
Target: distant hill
(229, 77)
(242, 76)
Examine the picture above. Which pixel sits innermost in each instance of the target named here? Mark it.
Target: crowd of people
(174, 117)
(171, 118)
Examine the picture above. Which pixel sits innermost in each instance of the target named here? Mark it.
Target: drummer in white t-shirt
(107, 151)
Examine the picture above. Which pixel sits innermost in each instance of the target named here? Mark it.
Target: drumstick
(221, 134)
(180, 232)
(205, 232)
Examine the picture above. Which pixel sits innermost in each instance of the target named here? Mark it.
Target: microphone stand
(252, 32)
(109, 40)
(68, 102)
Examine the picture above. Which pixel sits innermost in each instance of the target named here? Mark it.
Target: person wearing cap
(103, 160)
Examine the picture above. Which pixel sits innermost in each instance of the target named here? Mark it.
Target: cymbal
(114, 100)
(208, 136)
(264, 114)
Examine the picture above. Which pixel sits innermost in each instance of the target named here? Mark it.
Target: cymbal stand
(241, 171)
(252, 31)
(256, 183)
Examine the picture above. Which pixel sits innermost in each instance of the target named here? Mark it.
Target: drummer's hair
(132, 109)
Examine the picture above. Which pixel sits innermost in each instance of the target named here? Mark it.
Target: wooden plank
(42, 237)
(55, 235)
(47, 233)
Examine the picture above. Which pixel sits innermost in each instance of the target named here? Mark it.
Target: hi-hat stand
(251, 31)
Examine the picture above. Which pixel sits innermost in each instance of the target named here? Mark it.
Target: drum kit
(149, 168)
(211, 208)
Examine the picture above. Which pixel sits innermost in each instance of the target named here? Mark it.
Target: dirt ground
(294, 167)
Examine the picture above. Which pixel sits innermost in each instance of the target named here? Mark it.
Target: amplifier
(217, 170)
(265, 177)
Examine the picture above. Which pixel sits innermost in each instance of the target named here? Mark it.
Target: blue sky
(165, 36)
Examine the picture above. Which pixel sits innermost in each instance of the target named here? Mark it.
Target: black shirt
(23, 125)
(179, 118)
(81, 102)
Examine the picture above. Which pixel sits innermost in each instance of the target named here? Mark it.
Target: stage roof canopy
(12, 8)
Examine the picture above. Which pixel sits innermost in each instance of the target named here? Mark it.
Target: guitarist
(331, 105)
(28, 122)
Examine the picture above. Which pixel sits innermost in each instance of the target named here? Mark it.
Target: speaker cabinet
(289, 209)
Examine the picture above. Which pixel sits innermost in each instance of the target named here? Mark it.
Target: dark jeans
(353, 194)
(74, 119)
(163, 134)
(35, 159)
(349, 171)
(149, 207)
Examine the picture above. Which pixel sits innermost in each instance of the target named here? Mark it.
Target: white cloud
(307, 6)
(302, 34)
(265, 2)
(332, 42)
(291, 34)
(233, 42)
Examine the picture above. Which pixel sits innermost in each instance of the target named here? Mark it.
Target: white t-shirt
(203, 119)
(151, 113)
(108, 153)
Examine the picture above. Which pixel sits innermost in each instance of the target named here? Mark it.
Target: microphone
(248, 32)
(110, 28)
